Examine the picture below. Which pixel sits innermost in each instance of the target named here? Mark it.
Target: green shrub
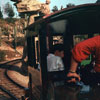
(11, 20)
(2, 55)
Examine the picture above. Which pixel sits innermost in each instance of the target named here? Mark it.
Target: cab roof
(81, 19)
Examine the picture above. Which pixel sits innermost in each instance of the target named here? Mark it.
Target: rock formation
(28, 6)
(33, 7)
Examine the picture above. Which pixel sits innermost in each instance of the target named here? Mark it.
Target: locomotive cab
(68, 26)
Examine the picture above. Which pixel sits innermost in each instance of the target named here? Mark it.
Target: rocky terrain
(11, 39)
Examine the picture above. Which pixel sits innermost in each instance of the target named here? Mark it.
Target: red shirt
(82, 50)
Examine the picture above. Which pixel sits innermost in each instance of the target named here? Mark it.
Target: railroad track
(8, 88)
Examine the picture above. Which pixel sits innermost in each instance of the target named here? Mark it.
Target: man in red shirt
(81, 51)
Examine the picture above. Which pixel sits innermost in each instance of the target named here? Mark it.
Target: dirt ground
(10, 52)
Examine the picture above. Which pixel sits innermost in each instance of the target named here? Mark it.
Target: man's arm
(80, 52)
(73, 66)
(72, 71)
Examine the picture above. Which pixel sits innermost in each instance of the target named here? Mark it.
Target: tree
(98, 1)
(55, 8)
(1, 15)
(70, 5)
(61, 7)
(8, 9)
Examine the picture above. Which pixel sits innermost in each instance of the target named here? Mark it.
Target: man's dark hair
(58, 47)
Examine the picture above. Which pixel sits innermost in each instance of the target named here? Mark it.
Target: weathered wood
(36, 84)
(35, 76)
(66, 92)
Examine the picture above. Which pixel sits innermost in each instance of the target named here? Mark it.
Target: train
(68, 26)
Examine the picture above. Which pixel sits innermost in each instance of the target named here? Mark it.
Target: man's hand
(73, 75)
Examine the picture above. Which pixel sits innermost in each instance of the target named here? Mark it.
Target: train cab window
(80, 38)
(37, 50)
(58, 27)
(57, 39)
(96, 34)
